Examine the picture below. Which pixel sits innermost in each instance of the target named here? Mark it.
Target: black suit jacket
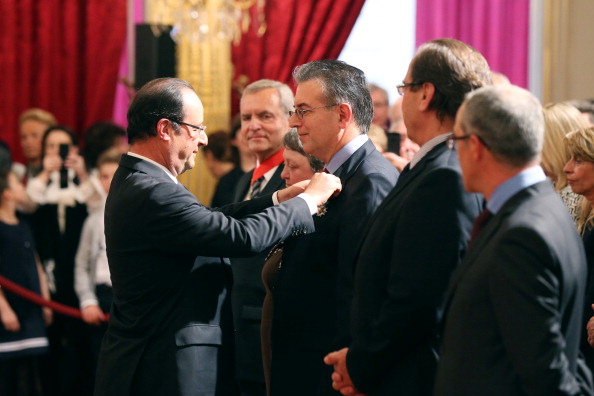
(514, 312)
(248, 295)
(313, 292)
(170, 330)
(413, 243)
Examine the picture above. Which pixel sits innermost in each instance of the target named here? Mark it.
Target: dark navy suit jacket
(312, 297)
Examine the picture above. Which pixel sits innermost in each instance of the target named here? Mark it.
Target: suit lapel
(275, 182)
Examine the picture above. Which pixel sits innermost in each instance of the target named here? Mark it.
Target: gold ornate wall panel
(203, 30)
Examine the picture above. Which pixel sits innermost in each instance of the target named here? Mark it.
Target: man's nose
(202, 140)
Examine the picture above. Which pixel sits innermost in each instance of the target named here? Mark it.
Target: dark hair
(454, 68)
(3, 181)
(62, 128)
(219, 144)
(5, 157)
(99, 137)
(157, 99)
(341, 83)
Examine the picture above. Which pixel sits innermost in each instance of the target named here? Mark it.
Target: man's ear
(163, 127)
(477, 148)
(427, 92)
(345, 114)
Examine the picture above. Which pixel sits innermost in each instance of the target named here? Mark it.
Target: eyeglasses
(200, 128)
(300, 112)
(452, 140)
(400, 87)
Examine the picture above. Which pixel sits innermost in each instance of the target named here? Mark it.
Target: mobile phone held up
(64, 148)
(394, 142)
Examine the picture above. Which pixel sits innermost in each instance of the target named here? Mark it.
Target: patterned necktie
(256, 187)
(479, 224)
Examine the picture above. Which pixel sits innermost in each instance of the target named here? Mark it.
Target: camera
(64, 149)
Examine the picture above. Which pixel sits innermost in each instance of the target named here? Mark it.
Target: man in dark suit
(264, 109)
(513, 318)
(312, 297)
(416, 238)
(170, 330)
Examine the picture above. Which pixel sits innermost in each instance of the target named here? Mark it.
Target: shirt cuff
(310, 201)
(275, 200)
(88, 302)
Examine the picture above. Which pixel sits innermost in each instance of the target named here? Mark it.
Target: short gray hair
(291, 141)
(287, 99)
(341, 83)
(509, 120)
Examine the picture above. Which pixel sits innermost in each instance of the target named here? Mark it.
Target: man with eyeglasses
(170, 330)
(264, 122)
(416, 238)
(312, 295)
(513, 314)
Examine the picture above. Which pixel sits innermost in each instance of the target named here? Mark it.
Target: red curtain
(498, 29)
(298, 31)
(62, 56)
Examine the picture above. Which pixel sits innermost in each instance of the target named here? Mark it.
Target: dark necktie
(256, 187)
(479, 224)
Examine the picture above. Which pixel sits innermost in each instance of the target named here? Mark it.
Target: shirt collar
(142, 157)
(428, 146)
(510, 187)
(345, 153)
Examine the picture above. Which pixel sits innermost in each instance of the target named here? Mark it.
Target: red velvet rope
(35, 298)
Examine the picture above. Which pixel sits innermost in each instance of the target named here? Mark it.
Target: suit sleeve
(525, 286)
(177, 222)
(430, 237)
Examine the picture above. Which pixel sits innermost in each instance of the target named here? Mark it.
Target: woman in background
(560, 119)
(580, 176)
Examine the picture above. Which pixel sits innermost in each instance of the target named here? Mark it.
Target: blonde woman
(560, 119)
(580, 176)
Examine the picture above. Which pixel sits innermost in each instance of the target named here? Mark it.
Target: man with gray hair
(312, 295)
(513, 311)
(264, 110)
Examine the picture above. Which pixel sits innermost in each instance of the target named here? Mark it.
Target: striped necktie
(256, 187)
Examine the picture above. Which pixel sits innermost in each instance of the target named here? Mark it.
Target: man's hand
(93, 315)
(292, 191)
(323, 186)
(341, 380)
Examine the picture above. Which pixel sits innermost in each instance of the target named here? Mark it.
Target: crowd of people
(441, 245)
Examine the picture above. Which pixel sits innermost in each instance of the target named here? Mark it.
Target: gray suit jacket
(170, 330)
(514, 309)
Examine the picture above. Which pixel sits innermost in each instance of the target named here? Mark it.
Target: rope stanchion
(35, 298)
